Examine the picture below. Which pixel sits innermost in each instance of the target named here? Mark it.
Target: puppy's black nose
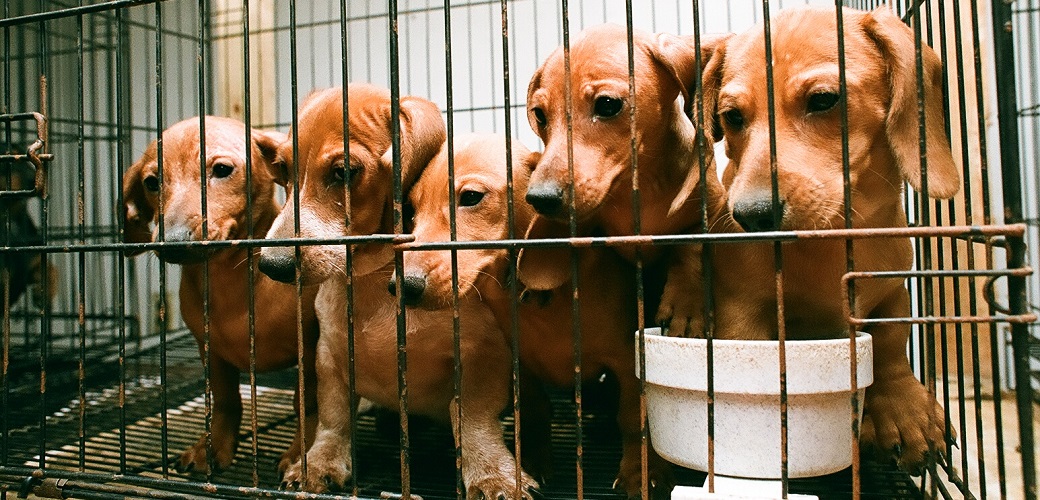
(178, 234)
(180, 255)
(757, 215)
(412, 288)
(279, 267)
(546, 198)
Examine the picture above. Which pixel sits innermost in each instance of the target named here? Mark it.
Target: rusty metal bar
(1010, 317)
(34, 154)
(765, 236)
(211, 244)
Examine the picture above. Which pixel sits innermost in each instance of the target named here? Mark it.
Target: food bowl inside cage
(747, 419)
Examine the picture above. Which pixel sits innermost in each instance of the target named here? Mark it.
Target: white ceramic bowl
(747, 403)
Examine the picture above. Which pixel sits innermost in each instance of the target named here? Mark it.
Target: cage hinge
(42, 487)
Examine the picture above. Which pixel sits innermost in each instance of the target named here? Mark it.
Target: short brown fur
(488, 468)
(227, 218)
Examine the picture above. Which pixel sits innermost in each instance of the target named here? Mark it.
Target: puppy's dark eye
(222, 170)
(821, 101)
(470, 198)
(343, 174)
(539, 116)
(734, 118)
(151, 183)
(608, 107)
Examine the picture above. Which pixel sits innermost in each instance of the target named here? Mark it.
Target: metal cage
(102, 385)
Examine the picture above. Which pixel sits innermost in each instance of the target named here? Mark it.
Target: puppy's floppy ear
(678, 57)
(422, 134)
(267, 143)
(532, 87)
(137, 211)
(544, 268)
(896, 44)
(711, 80)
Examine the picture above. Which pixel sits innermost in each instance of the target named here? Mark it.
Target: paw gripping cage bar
(102, 387)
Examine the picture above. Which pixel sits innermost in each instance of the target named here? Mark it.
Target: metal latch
(33, 156)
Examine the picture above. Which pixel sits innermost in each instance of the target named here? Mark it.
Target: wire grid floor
(378, 466)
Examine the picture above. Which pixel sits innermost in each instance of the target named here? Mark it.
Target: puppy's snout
(546, 198)
(757, 215)
(279, 267)
(412, 288)
(178, 234)
(180, 255)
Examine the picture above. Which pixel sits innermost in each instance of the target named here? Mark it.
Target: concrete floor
(988, 484)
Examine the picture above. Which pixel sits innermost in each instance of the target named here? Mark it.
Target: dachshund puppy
(606, 283)
(884, 151)
(228, 217)
(349, 192)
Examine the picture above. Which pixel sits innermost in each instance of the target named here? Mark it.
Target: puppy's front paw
(902, 422)
(659, 475)
(327, 470)
(194, 458)
(501, 484)
(290, 457)
(681, 311)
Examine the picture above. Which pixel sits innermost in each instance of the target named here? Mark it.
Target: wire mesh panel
(252, 248)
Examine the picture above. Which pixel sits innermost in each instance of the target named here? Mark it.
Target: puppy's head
(882, 112)
(346, 191)
(599, 113)
(482, 200)
(227, 211)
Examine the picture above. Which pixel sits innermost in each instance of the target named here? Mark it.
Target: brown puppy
(546, 351)
(602, 154)
(327, 173)
(669, 159)
(899, 415)
(228, 217)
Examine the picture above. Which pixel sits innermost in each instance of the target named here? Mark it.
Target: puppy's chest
(428, 347)
(274, 325)
(814, 295)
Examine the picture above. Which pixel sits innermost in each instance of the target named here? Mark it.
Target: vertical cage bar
(45, 328)
(778, 258)
(5, 443)
(294, 93)
(402, 328)
(348, 250)
(460, 487)
(1007, 112)
(514, 333)
(573, 226)
(163, 355)
(81, 256)
(207, 331)
(843, 108)
(120, 223)
(247, 114)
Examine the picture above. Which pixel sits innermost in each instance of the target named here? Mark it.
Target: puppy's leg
(659, 471)
(535, 428)
(306, 427)
(328, 459)
(682, 303)
(900, 419)
(227, 415)
(488, 468)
